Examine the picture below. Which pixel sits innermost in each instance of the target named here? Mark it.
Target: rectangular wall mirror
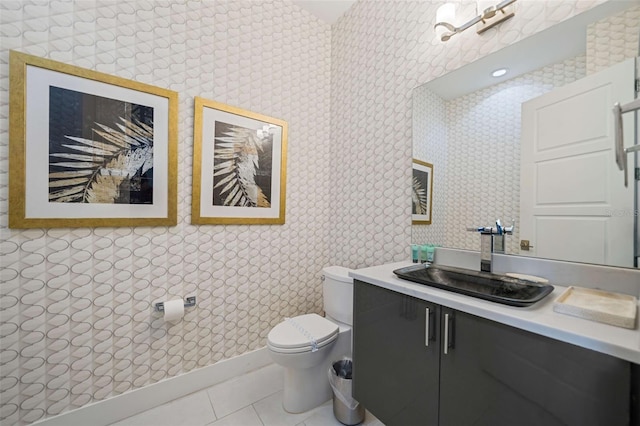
(536, 144)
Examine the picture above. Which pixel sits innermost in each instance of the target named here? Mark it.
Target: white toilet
(306, 345)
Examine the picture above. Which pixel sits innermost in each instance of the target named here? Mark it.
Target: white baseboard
(119, 407)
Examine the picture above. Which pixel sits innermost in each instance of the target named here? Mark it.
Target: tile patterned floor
(254, 399)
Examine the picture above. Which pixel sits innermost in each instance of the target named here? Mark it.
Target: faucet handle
(505, 229)
(496, 230)
(509, 229)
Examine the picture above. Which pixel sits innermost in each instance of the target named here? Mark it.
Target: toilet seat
(298, 334)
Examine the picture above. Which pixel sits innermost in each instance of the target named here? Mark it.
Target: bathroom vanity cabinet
(419, 363)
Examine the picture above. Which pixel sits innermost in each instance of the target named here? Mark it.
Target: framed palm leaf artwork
(421, 192)
(239, 166)
(88, 149)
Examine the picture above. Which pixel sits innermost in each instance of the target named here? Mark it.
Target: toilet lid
(300, 332)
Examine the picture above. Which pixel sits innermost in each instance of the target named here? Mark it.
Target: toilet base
(304, 389)
(306, 375)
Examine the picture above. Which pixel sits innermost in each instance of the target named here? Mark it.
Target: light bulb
(445, 13)
(499, 72)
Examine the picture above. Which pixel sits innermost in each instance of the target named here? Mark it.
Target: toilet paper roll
(173, 310)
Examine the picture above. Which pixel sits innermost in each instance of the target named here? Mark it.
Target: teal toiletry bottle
(431, 252)
(415, 250)
(423, 253)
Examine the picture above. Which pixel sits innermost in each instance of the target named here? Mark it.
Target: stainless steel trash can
(346, 409)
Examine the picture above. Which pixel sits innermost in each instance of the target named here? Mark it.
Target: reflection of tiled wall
(613, 39)
(380, 51)
(430, 145)
(483, 173)
(610, 41)
(479, 149)
(75, 305)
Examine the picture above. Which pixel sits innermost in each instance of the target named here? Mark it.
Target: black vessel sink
(484, 285)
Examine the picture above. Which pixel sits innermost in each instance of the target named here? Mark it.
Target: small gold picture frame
(421, 193)
(239, 166)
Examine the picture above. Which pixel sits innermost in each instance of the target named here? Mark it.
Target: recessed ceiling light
(499, 72)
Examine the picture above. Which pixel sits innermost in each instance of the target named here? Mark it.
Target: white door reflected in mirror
(570, 184)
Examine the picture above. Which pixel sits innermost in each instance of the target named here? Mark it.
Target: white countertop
(539, 318)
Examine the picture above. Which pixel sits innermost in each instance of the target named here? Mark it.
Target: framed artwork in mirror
(239, 166)
(421, 192)
(87, 149)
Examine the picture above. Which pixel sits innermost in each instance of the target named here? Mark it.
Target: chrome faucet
(492, 240)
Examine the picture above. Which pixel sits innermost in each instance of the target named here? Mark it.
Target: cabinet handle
(427, 329)
(446, 334)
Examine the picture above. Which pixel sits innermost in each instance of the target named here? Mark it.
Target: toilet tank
(337, 294)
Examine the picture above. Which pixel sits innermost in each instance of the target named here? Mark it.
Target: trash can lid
(302, 331)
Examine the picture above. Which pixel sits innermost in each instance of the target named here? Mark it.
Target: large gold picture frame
(239, 166)
(88, 149)
(421, 192)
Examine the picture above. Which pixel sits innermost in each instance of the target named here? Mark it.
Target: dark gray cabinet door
(395, 356)
(497, 375)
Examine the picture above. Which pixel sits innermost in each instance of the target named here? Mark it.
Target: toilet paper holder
(189, 302)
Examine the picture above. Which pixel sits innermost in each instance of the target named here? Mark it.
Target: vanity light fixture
(499, 72)
(489, 17)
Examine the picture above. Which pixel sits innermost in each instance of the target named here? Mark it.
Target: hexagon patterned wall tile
(76, 305)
